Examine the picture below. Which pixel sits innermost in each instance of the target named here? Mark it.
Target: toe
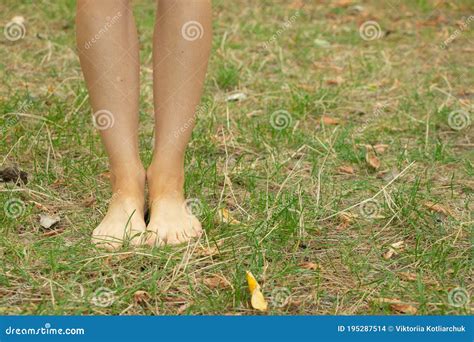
(176, 238)
(196, 228)
(138, 238)
(106, 242)
(150, 237)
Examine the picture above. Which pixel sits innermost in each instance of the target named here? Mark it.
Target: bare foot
(171, 221)
(124, 220)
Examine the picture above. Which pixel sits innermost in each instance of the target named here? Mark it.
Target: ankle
(128, 182)
(165, 183)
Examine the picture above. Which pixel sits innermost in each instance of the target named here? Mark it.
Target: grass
(284, 186)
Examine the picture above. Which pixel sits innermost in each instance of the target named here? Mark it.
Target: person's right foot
(124, 220)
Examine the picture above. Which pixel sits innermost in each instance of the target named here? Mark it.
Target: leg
(108, 50)
(182, 45)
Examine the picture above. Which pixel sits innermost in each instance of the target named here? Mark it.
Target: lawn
(343, 179)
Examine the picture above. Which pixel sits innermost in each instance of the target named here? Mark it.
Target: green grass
(283, 185)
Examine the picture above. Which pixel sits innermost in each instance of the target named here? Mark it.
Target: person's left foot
(171, 222)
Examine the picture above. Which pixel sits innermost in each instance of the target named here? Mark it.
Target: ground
(343, 181)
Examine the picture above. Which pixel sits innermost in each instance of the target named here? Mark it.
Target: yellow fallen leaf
(226, 217)
(258, 300)
(252, 282)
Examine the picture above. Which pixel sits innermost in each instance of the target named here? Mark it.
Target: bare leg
(182, 45)
(108, 50)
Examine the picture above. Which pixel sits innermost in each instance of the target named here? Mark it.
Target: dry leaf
(328, 121)
(40, 206)
(337, 81)
(258, 301)
(343, 3)
(48, 221)
(18, 19)
(58, 183)
(141, 296)
(54, 232)
(89, 201)
(408, 276)
(380, 148)
(394, 249)
(226, 217)
(403, 308)
(346, 219)
(114, 259)
(207, 251)
(389, 253)
(216, 282)
(236, 97)
(183, 308)
(388, 175)
(323, 44)
(309, 265)
(398, 245)
(387, 300)
(372, 160)
(436, 207)
(296, 4)
(346, 169)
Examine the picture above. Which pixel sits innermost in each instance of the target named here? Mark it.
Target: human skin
(108, 50)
